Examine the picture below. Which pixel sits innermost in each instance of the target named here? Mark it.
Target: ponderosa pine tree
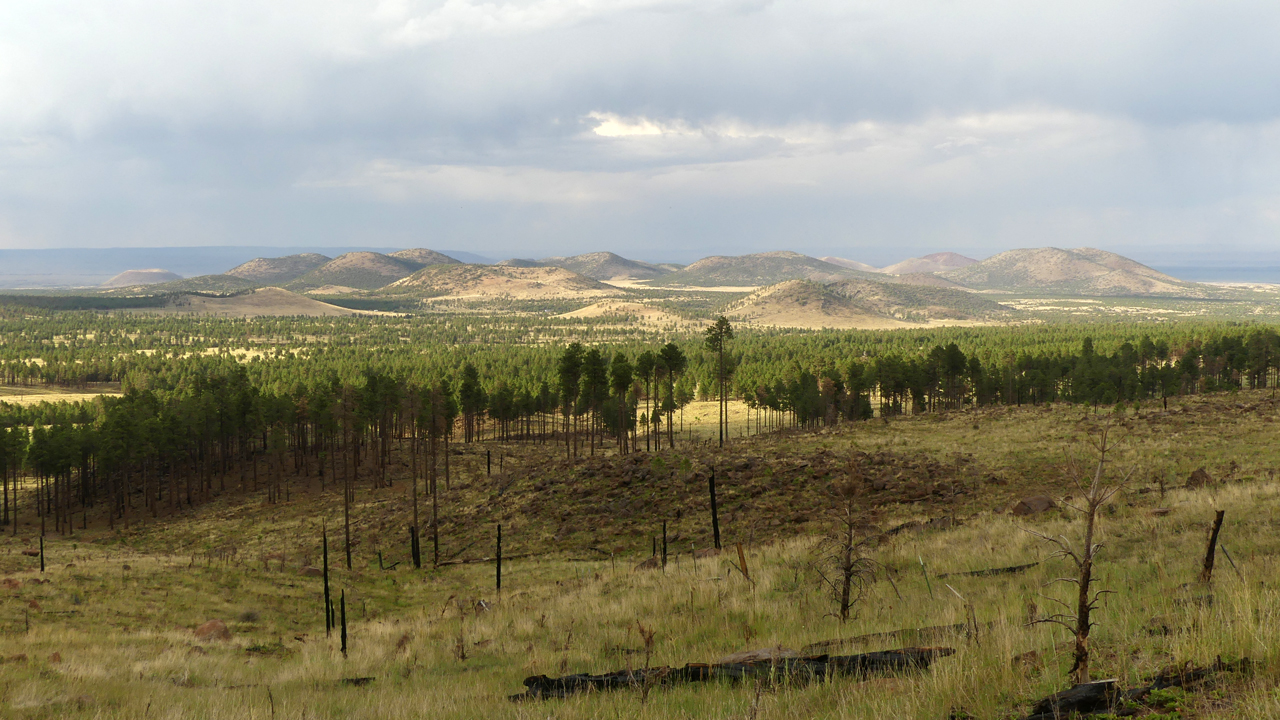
(717, 341)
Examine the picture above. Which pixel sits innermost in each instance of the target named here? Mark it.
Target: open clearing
(633, 312)
(34, 395)
(106, 631)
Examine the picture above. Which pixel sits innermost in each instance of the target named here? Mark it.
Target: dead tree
(1206, 572)
(842, 565)
(1082, 555)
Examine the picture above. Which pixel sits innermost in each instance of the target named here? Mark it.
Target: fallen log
(990, 571)
(797, 670)
(913, 635)
(1105, 697)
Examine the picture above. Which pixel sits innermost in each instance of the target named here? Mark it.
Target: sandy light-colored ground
(23, 395)
(632, 311)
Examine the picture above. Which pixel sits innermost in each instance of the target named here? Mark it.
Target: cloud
(659, 123)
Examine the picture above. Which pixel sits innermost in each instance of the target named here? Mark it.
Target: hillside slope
(757, 270)
(606, 266)
(935, 262)
(355, 271)
(862, 304)
(496, 281)
(260, 302)
(266, 271)
(851, 264)
(423, 257)
(1082, 271)
(130, 278)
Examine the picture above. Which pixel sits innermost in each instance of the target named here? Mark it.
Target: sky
(660, 129)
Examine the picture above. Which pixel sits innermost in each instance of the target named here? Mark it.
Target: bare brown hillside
(279, 269)
(1083, 271)
(935, 262)
(130, 278)
(492, 281)
(863, 304)
(423, 257)
(359, 270)
(262, 302)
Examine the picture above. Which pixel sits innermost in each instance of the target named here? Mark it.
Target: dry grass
(126, 649)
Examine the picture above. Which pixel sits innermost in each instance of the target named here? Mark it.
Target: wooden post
(413, 547)
(498, 559)
(664, 545)
(346, 517)
(715, 515)
(1206, 574)
(742, 560)
(328, 598)
(343, 602)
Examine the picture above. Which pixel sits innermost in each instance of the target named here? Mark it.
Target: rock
(1199, 478)
(652, 563)
(34, 605)
(1034, 504)
(213, 630)
(773, 654)
(1028, 661)
(1158, 512)
(31, 552)
(11, 583)
(55, 658)
(311, 572)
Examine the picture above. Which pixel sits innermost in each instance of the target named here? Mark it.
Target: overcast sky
(659, 129)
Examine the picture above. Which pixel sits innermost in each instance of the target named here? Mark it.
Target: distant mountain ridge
(596, 265)
(279, 269)
(857, 303)
(1081, 271)
(932, 263)
(756, 270)
(151, 276)
(498, 281)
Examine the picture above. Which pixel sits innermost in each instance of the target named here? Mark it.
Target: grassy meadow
(106, 631)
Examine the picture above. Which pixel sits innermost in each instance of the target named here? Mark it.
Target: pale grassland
(36, 394)
(126, 650)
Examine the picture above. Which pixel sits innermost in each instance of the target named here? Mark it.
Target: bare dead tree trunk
(1096, 495)
(1206, 574)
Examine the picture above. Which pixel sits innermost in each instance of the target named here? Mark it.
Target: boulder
(1034, 504)
(1199, 478)
(651, 564)
(213, 630)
